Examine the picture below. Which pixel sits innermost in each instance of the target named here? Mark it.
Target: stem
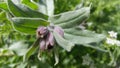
(111, 55)
(32, 49)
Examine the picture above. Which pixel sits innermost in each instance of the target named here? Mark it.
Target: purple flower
(42, 31)
(49, 41)
(59, 30)
(42, 44)
(47, 37)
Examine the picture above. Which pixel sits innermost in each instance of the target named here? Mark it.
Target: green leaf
(95, 47)
(67, 45)
(31, 50)
(28, 25)
(30, 22)
(46, 7)
(82, 36)
(20, 10)
(71, 18)
(5, 25)
(2, 15)
(30, 3)
(19, 48)
(26, 30)
(3, 6)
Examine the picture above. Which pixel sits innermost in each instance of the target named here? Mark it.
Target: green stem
(111, 56)
(32, 49)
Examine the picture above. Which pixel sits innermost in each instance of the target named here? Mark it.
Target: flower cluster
(112, 34)
(112, 39)
(47, 38)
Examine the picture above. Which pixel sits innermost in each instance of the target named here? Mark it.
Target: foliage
(20, 20)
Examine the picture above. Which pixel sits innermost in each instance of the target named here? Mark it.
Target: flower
(42, 31)
(118, 43)
(112, 34)
(49, 41)
(42, 45)
(47, 38)
(59, 30)
(111, 41)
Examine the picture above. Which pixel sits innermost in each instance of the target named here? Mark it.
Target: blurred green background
(104, 17)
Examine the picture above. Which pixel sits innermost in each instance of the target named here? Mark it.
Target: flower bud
(59, 30)
(42, 31)
(49, 41)
(42, 44)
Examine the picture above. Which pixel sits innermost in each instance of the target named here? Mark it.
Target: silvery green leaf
(70, 19)
(67, 45)
(20, 48)
(28, 25)
(46, 7)
(20, 10)
(79, 36)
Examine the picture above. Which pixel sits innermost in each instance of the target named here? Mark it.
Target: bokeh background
(104, 17)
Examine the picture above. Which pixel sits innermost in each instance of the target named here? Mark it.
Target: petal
(49, 41)
(42, 31)
(59, 30)
(42, 45)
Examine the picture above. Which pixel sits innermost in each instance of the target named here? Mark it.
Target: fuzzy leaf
(28, 25)
(30, 3)
(20, 10)
(82, 36)
(67, 45)
(19, 48)
(31, 50)
(71, 18)
(46, 7)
